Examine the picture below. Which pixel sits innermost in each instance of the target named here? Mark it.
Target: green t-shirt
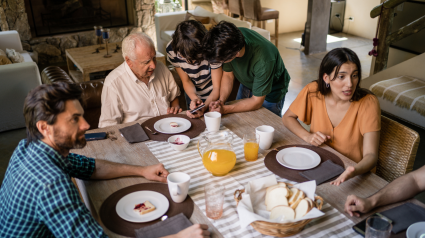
(261, 68)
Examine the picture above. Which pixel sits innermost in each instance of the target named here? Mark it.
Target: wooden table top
(139, 154)
(84, 58)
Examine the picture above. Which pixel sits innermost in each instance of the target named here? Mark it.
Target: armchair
(16, 81)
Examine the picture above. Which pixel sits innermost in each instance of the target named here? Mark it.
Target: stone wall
(51, 49)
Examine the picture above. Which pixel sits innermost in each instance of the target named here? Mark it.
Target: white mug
(266, 136)
(178, 185)
(212, 121)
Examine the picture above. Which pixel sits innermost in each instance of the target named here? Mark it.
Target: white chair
(16, 80)
(166, 23)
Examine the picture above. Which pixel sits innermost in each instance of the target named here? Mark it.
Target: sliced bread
(303, 208)
(300, 196)
(276, 197)
(287, 212)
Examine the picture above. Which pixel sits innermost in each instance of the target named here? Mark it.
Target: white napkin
(252, 207)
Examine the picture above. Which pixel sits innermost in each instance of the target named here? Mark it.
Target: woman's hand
(348, 173)
(194, 104)
(317, 138)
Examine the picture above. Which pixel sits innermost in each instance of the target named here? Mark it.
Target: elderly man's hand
(217, 106)
(155, 172)
(174, 110)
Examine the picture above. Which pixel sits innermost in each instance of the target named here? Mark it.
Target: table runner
(332, 224)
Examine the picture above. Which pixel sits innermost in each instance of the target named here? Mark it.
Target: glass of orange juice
(250, 145)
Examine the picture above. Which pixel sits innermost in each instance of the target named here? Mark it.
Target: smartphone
(197, 109)
(95, 136)
(360, 227)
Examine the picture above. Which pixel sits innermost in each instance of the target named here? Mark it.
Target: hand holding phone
(197, 109)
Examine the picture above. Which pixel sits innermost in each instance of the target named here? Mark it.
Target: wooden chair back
(397, 149)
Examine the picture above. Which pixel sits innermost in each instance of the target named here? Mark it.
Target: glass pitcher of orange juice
(215, 149)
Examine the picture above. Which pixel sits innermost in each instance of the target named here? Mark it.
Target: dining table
(95, 192)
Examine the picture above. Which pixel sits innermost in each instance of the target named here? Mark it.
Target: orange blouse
(363, 116)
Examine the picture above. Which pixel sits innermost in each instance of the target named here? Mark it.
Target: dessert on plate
(144, 208)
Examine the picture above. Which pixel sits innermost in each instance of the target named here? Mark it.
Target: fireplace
(53, 17)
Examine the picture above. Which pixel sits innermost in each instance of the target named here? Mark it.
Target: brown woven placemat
(196, 128)
(271, 162)
(115, 223)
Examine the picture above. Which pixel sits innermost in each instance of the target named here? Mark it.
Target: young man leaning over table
(398, 190)
(256, 64)
(37, 197)
(140, 87)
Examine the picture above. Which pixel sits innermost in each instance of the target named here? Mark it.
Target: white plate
(298, 158)
(127, 203)
(163, 125)
(416, 230)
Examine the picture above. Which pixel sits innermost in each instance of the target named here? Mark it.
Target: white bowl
(183, 138)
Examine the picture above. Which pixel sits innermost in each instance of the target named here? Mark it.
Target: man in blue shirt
(37, 197)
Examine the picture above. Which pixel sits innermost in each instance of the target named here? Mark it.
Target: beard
(65, 141)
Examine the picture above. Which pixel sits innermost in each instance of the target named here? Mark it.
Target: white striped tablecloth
(332, 224)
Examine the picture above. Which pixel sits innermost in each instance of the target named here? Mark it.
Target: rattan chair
(397, 149)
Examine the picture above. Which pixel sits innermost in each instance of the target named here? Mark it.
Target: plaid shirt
(38, 198)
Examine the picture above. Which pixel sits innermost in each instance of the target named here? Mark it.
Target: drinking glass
(378, 227)
(214, 198)
(251, 142)
(98, 31)
(105, 36)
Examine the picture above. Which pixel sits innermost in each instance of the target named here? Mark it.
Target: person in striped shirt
(201, 80)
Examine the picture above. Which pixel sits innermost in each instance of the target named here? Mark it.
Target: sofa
(16, 81)
(166, 23)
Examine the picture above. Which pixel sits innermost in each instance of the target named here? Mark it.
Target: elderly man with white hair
(140, 87)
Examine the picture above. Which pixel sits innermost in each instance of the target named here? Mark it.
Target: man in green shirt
(256, 64)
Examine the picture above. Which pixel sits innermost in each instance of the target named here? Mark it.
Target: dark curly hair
(222, 42)
(187, 40)
(334, 59)
(44, 103)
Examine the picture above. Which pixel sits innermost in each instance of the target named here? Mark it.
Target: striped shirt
(200, 74)
(38, 198)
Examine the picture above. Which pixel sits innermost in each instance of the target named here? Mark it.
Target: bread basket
(279, 229)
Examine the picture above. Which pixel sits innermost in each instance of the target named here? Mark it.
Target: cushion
(167, 35)
(203, 20)
(2, 52)
(14, 56)
(4, 60)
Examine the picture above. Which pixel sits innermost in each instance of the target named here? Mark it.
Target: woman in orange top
(339, 112)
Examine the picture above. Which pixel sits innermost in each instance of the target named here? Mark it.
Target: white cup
(266, 136)
(212, 121)
(178, 185)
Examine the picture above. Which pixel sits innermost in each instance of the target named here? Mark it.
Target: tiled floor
(302, 68)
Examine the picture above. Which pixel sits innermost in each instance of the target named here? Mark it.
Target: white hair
(129, 44)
